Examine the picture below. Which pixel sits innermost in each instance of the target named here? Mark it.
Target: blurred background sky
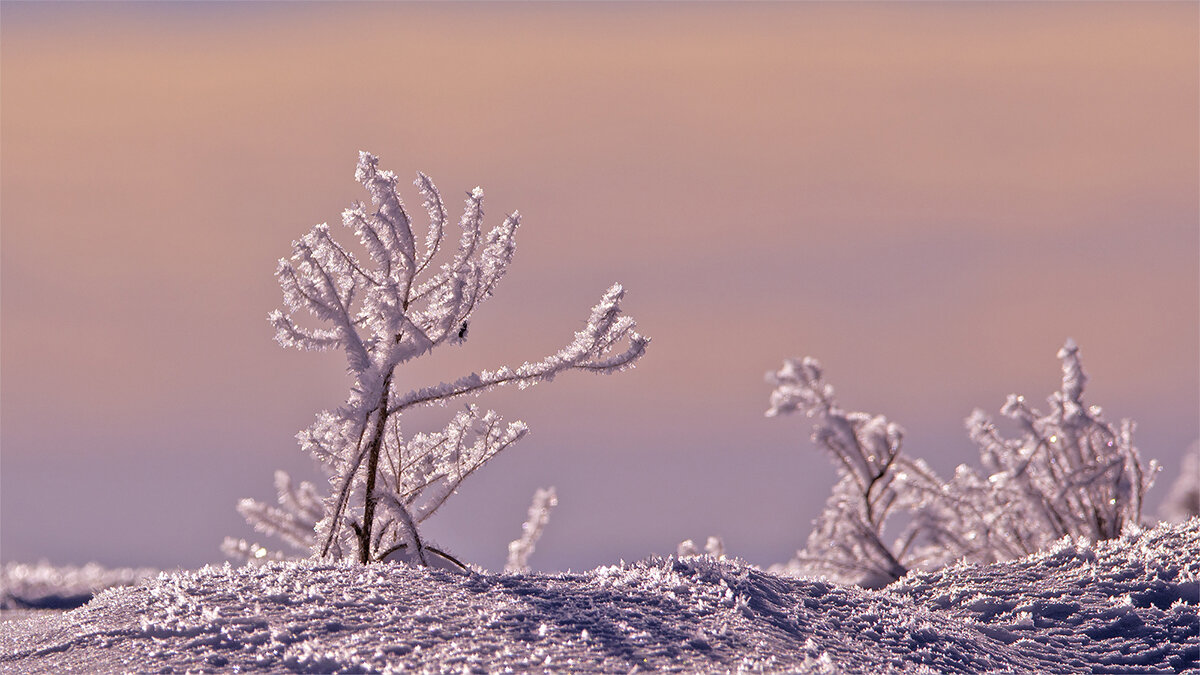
(930, 198)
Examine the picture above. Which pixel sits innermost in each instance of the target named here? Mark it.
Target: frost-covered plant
(1183, 499)
(1069, 474)
(848, 541)
(294, 521)
(382, 311)
(519, 550)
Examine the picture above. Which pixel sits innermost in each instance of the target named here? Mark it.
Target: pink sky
(930, 198)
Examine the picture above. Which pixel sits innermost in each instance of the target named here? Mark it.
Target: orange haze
(928, 197)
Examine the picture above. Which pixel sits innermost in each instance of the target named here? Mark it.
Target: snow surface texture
(45, 586)
(1127, 605)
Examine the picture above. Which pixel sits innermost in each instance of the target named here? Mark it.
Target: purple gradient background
(929, 198)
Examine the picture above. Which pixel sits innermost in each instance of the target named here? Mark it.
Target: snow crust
(1128, 605)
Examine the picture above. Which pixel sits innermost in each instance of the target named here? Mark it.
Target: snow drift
(1126, 605)
(46, 586)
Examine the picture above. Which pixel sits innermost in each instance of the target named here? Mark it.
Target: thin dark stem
(364, 537)
(436, 551)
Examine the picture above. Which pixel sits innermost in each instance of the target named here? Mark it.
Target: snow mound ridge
(1127, 605)
(46, 586)
(1124, 605)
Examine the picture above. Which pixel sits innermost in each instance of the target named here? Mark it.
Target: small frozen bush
(848, 543)
(294, 521)
(1069, 473)
(1183, 499)
(519, 550)
(392, 306)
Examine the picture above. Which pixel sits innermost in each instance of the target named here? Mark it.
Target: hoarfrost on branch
(519, 550)
(1070, 473)
(383, 310)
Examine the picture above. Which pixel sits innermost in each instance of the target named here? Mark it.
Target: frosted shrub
(1069, 473)
(1183, 499)
(848, 542)
(382, 311)
(294, 520)
(519, 550)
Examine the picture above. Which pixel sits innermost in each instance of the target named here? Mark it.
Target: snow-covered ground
(1123, 606)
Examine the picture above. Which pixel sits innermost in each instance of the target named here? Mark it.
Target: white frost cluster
(519, 550)
(848, 542)
(714, 547)
(294, 521)
(382, 311)
(1069, 474)
(1183, 499)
